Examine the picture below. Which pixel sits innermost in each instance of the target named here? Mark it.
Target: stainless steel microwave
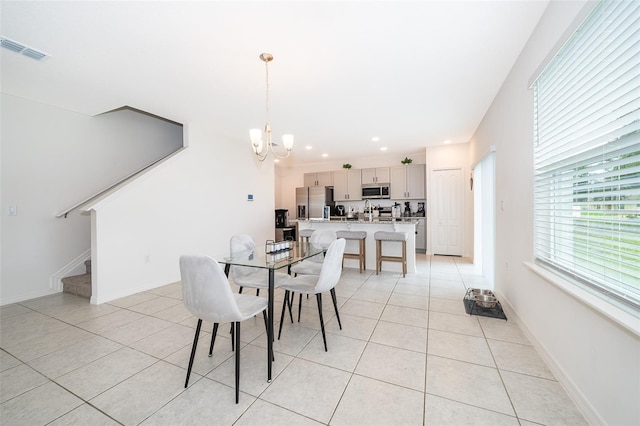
(375, 191)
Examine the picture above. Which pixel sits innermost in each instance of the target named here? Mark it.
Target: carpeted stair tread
(80, 285)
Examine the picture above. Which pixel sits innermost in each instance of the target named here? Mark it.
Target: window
(587, 155)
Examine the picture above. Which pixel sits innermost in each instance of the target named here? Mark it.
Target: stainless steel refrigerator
(311, 200)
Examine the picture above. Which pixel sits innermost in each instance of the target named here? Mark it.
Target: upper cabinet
(377, 175)
(408, 182)
(347, 185)
(318, 179)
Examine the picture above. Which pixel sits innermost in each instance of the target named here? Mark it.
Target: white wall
(51, 159)
(595, 358)
(191, 204)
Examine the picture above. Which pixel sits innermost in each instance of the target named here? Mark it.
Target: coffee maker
(282, 218)
(420, 212)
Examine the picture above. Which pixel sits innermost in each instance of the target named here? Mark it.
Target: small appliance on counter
(340, 210)
(282, 218)
(283, 230)
(385, 212)
(420, 212)
(407, 209)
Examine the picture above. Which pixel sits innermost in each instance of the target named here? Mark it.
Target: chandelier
(256, 134)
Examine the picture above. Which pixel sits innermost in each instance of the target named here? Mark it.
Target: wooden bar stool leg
(404, 259)
(378, 256)
(363, 246)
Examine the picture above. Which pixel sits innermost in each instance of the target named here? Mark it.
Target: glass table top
(259, 258)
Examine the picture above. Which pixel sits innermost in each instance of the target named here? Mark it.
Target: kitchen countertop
(376, 220)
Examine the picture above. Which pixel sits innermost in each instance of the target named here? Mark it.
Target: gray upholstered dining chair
(206, 293)
(245, 276)
(320, 238)
(317, 284)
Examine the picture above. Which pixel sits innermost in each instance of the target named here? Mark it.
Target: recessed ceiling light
(384, 148)
(375, 139)
(308, 147)
(276, 160)
(325, 155)
(447, 141)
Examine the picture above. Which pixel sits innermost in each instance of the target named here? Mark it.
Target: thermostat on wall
(249, 197)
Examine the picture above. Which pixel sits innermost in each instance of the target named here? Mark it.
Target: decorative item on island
(346, 166)
(406, 160)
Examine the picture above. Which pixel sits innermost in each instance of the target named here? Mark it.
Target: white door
(446, 207)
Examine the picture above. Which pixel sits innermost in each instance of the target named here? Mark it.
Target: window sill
(619, 315)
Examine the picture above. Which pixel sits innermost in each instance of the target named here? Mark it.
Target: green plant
(406, 160)
(346, 166)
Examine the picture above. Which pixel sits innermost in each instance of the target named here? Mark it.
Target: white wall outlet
(13, 211)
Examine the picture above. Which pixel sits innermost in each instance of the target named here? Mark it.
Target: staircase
(80, 285)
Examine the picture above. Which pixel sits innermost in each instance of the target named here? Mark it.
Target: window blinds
(587, 154)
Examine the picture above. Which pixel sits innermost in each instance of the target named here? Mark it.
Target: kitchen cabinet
(375, 175)
(347, 185)
(318, 179)
(408, 182)
(421, 236)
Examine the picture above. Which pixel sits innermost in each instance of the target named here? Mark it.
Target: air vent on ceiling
(16, 47)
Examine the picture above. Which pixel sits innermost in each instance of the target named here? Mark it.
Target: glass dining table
(279, 257)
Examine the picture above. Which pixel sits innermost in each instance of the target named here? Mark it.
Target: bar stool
(361, 255)
(381, 236)
(305, 234)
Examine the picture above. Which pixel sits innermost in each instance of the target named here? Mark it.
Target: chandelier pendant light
(256, 134)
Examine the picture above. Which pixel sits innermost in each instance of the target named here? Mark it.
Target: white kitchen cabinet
(375, 175)
(421, 236)
(318, 179)
(347, 185)
(408, 182)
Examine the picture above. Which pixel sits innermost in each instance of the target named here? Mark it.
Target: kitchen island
(407, 225)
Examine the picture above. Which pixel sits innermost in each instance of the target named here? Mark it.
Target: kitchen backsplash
(358, 206)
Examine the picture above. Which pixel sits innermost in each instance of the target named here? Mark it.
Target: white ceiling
(411, 73)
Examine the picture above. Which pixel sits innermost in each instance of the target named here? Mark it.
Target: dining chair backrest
(322, 238)
(331, 267)
(241, 243)
(206, 292)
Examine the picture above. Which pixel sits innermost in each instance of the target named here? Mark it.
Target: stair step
(80, 285)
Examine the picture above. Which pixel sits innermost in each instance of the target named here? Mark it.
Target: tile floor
(407, 355)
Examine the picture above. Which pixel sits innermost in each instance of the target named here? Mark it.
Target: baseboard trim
(574, 392)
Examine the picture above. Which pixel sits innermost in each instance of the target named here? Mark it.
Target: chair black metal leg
(335, 305)
(193, 351)
(257, 292)
(324, 336)
(240, 290)
(289, 303)
(300, 306)
(233, 338)
(284, 303)
(213, 337)
(237, 333)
